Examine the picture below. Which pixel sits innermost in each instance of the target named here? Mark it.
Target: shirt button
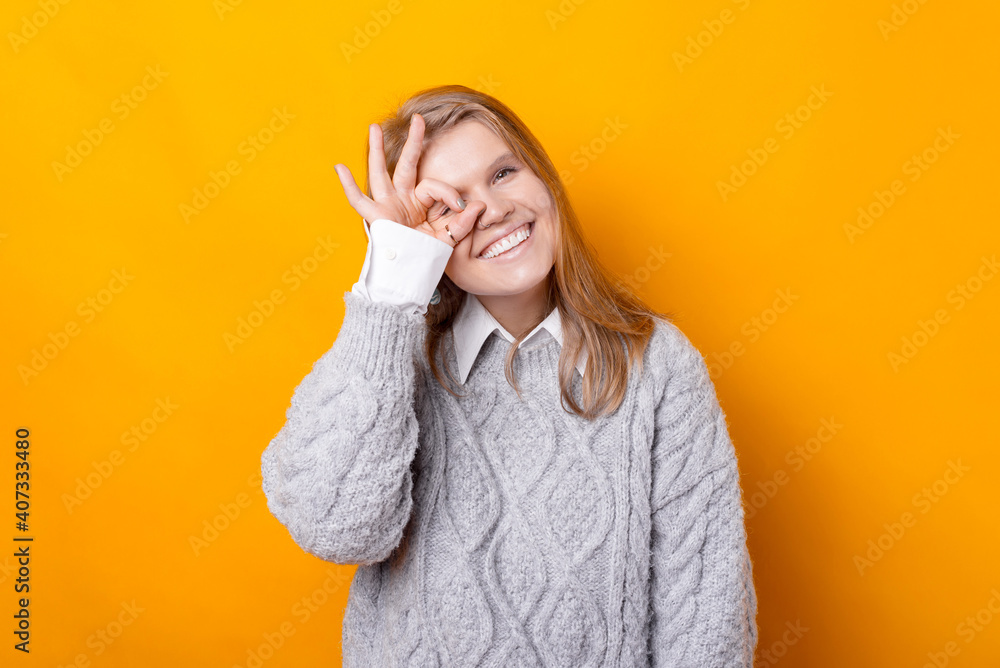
(390, 253)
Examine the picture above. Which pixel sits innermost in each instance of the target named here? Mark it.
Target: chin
(506, 285)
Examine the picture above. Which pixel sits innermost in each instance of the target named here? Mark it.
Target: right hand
(399, 199)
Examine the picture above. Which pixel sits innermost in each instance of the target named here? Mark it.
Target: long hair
(597, 310)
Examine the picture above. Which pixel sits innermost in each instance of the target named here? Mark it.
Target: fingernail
(461, 204)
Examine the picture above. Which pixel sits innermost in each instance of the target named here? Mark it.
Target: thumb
(466, 220)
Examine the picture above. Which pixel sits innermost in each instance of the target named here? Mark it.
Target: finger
(461, 225)
(405, 176)
(435, 196)
(378, 176)
(357, 199)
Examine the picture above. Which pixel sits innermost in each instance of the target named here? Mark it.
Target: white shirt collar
(474, 325)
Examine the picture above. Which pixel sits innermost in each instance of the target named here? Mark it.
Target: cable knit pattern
(493, 531)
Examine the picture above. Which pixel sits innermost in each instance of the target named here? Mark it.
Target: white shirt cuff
(402, 266)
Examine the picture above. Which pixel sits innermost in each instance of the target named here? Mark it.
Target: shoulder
(673, 360)
(689, 418)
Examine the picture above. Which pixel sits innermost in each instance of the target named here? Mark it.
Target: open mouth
(510, 244)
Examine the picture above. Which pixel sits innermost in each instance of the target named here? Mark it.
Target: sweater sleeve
(703, 601)
(337, 474)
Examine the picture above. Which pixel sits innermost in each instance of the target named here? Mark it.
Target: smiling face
(477, 163)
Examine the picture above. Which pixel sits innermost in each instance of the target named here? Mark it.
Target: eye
(505, 169)
(445, 211)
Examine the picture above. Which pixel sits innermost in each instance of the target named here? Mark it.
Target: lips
(503, 234)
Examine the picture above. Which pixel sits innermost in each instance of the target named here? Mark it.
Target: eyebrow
(500, 160)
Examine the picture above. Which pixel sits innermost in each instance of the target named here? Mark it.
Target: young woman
(529, 465)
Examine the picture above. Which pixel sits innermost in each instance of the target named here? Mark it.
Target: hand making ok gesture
(401, 199)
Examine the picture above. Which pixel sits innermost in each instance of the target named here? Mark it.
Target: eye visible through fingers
(440, 211)
(503, 174)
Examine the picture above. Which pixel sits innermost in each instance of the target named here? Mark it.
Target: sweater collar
(474, 324)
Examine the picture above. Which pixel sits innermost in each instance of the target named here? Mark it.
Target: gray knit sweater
(533, 536)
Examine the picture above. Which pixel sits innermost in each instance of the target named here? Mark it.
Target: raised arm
(337, 474)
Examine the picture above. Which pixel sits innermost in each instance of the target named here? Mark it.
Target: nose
(497, 209)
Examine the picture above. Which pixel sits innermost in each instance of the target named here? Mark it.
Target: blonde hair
(597, 310)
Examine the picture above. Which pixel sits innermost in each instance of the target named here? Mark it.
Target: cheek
(548, 234)
(542, 201)
(461, 259)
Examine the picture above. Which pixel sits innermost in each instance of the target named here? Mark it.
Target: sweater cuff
(379, 337)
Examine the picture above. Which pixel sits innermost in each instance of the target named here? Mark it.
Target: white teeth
(507, 243)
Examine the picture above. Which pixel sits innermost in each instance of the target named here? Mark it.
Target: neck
(518, 313)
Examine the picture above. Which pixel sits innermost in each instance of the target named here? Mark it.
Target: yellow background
(647, 189)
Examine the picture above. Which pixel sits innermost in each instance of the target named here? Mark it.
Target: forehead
(461, 155)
